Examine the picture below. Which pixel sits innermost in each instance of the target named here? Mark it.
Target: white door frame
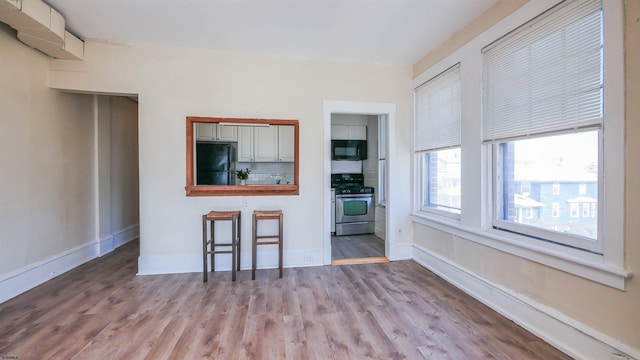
(360, 108)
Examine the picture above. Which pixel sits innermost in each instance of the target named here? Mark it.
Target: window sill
(586, 265)
(246, 190)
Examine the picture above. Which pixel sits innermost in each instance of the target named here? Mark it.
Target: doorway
(378, 245)
(117, 185)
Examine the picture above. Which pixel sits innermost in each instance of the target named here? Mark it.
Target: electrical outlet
(245, 204)
(308, 258)
(52, 274)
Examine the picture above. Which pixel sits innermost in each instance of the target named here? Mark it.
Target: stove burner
(350, 184)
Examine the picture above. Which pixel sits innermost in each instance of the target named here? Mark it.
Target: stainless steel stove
(354, 205)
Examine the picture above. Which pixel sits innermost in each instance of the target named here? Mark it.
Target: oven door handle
(351, 196)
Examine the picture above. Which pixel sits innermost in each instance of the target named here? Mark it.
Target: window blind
(546, 76)
(438, 111)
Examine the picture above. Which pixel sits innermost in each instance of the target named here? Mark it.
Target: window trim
(607, 269)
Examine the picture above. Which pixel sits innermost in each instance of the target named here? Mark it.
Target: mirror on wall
(242, 157)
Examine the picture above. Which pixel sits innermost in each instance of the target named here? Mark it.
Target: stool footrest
(267, 242)
(268, 237)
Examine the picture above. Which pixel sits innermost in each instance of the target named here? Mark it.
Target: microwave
(348, 150)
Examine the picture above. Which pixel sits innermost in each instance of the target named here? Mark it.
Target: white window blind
(547, 75)
(438, 111)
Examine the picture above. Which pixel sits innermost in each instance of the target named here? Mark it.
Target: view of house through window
(442, 172)
(534, 169)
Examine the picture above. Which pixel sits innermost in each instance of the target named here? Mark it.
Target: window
(529, 213)
(600, 253)
(543, 115)
(573, 209)
(585, 209)
(582, 189)
(437, 142)
(442, 180)
(555, 211)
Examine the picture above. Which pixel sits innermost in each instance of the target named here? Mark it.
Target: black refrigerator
(215, 163)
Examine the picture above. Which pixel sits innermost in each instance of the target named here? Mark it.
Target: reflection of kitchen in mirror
(266, 150)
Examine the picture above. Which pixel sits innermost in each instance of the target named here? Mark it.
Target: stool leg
(280, 245)
(213, 245)
(239, 226)
(204, 248)
(254, 248)
(234, 223)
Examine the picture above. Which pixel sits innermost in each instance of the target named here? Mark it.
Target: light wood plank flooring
(356, 246)
(397, 310)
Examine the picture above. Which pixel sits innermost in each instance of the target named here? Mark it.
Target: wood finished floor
(397, 310)
(356, 246)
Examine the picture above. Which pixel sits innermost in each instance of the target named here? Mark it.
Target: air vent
(41, 27)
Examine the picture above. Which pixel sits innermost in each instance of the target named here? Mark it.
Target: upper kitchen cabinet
(348, 132)
(286, 143)
(245, 144)
(275, 143)
(216, 132)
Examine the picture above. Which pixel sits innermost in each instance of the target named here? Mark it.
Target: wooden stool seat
(266, 215)
(209, 241)
(222, 215)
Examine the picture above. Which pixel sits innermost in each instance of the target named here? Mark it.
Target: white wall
(68, 188)
(175, 83)
(47, 204)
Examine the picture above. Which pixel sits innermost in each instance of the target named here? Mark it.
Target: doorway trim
(361, 108)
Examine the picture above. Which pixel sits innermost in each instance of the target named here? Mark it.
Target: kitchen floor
(356, 246)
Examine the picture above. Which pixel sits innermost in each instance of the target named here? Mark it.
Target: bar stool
(266, 215)
(212, 217)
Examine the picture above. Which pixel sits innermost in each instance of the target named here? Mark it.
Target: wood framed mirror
(218, 147)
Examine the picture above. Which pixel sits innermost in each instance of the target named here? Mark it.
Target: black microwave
(348, 149)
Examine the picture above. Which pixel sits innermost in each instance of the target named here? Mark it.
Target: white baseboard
(19, 281)
(267, 259)
(570, 336)
(114, 241)
(401, 252)
(33, 275)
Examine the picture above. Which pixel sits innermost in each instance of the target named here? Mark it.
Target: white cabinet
(245, 144)
(216, 132)
(274, 143)
(265, 144)
(286, 144)
(227, 133)
(348, 132)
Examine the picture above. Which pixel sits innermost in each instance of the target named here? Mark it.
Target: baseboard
(27, 278)
(114, 241)
(401, 252)
(568, 335)
(267, 259)
(19, 281)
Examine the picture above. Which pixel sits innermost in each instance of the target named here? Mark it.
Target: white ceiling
(375, 31)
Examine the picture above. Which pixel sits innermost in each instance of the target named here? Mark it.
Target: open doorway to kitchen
(356, 188)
